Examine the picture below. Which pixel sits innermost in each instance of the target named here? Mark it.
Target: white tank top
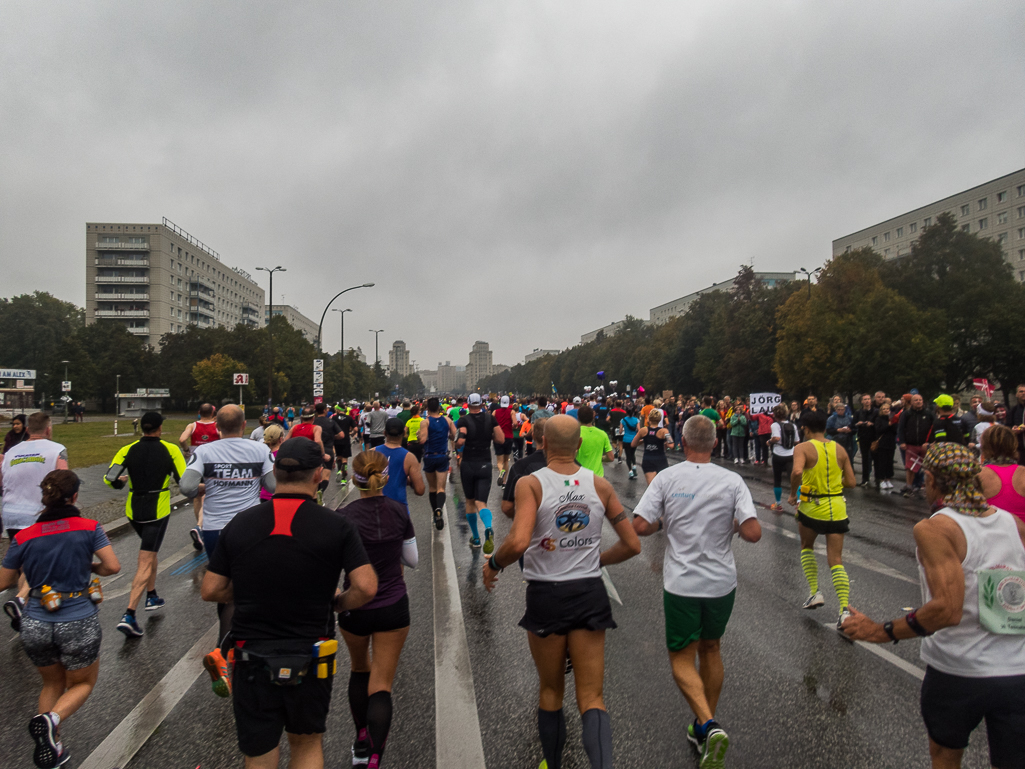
(24, 468)
(567, 534)
(968, 649)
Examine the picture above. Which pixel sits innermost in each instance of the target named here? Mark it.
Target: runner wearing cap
(198, 433)
(477, 431)
(308, 428)
(504, 416)
(147, 466)
(403, 469)
(434, 435)
(574, 409)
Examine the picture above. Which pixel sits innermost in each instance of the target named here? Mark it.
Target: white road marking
(889, 656)
(131, 734)
(457, 726)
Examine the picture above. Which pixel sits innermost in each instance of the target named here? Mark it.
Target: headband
(955, 465)
(363, 479)
(983, 411)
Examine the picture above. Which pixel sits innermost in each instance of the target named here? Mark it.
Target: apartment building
(480, 365)
(539, 353)
(994, 210)
(398, 359)
(677, 307)
(295, 319)
(610, 330)
(157, 279)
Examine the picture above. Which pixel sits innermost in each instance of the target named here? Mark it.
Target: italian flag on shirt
(572, 483)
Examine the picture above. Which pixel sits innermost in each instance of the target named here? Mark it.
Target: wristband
(915, 625)
(888, 627)
(493, 564)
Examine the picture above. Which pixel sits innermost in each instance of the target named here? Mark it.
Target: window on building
(1001, 197)
(1021, 190)
(1021, 212)
(847, 250)
(1002, 217)
(1021, 254)
(966, 209)
(983, 223)
(886, 252)
(886, 237)
(900, 232)
(966, 228)
(927, 222)
(1002, 238)
(875, 240)
(108, 239)
(982, 204)
(913, 227)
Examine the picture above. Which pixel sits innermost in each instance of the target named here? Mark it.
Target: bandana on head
(956, 468)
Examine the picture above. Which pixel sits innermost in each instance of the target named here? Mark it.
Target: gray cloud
(520, 173)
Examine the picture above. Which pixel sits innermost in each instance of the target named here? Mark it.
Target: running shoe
(632, 474)
(714, 749)
(154, 602)
(815, 600)
(692, 736)
(217, 667)
(489, 541)
(49, 751)
(361, 752)
(130, 626)
(776, 507)
(13, 609)
(374, 762)
(845, 614)
(474, 542)
(439, 520)
(197, 538)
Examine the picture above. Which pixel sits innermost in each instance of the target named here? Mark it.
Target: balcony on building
(122, 312)
(142, 330)
(106, 278)
(121, 261)
(140, 244)
(117, 296)
(200, 286)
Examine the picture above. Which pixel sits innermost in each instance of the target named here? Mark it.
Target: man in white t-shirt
(701, 506)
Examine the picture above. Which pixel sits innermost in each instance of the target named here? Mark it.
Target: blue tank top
(630, 425)
(395, 488)
(437, 436)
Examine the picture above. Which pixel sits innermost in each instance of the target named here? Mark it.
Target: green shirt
(593, 447)
(711, 414)
(403, 416)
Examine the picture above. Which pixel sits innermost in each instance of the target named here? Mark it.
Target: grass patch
(91, 443)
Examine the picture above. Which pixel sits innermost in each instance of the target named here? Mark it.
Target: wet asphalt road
(796, 693)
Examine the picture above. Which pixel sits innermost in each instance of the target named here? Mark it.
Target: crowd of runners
(258, 502)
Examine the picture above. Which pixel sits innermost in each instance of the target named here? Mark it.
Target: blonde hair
(273, 435)
(654, 417)
(370, 470)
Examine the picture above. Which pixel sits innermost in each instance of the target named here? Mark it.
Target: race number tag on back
(764, 403)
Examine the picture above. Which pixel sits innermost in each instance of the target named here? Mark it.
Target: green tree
(33, 329)
(213, 377)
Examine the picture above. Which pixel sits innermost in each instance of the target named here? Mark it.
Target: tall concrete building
(295, 319)
(666, 312)
(480, 364)
(993, 210)
(451, 379)
(398, 359)
(430, 380)
(156, 279)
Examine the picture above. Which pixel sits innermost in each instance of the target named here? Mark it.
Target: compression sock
(471, 518)
(378, 720)
(151, 594)
(130, 613)
(358, 683)
(778, 491)
(485, 516)
(811, 569)
(433, 496)
(551, 727)
(841, 584)
(597, 738)
(441, 500)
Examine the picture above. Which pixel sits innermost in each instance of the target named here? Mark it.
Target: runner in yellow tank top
(821, 471)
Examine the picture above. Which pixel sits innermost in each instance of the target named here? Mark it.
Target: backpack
(787, 438)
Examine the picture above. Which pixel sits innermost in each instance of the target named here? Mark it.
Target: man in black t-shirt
(477, 431)
(345, 425)
(281, 678)
(522, 467)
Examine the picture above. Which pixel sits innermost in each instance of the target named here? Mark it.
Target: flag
(554, 391)
(574, 482)
(984, 386)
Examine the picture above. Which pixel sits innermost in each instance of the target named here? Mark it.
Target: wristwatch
(888, 627)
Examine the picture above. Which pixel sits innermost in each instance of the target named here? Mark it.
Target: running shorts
(505, 448)
(343, 448)
(152, 534)
(417, 450)
(75, 645)
(436, 463)
(560, 607)
(364, 622)
(952, 706)
(264, 709)
(655, 464)
(841, 526)
(376, 440)
(476, 478)
(692, 619)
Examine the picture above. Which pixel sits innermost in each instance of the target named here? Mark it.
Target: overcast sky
(520, 173)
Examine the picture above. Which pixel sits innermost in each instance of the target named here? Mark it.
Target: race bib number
(1002, 601)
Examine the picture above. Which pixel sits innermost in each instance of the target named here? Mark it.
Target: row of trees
(934, 319)
(38, 331)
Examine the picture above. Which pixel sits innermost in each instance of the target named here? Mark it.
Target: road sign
(65, 399)
(317, 399)
(318, 377)
(66, 386)
(240, 380)
(318, 390)
(318, 365)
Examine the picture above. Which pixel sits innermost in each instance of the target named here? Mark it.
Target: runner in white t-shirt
(701, 506)
(783, 436)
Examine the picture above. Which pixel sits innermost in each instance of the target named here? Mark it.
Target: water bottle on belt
(50, 598)
(95, 591)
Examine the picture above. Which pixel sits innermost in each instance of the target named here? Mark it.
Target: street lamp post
(320, 327)
(270, 332)
(816, 271)
(377, 355)
(341, 317)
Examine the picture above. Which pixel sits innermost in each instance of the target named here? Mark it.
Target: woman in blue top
(403, 469)
(630, 424)
(62, 639)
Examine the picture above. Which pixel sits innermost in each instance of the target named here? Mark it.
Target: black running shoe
(361, 752)
(48, 753)
(439, 520)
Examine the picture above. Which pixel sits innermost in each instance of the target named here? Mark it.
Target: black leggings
(882, 458)
(631, 455)
(781, 466)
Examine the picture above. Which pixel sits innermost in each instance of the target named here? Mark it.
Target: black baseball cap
(151, 420)
(393, 426)
(299, 454)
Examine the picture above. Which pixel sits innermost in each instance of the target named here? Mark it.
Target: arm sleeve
(189, 483)
(650, 508)
(410, 557)
(117, 466)
(100, 538)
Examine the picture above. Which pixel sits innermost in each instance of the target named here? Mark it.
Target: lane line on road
(889, 656)
(457, 725)
(131, 734)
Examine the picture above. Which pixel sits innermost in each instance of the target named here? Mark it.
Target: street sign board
(66, 386)
(317, 399)
(318, 364)
(65, 399)
(17, 373)
(318, 391)
(240, 380)
(318, 377)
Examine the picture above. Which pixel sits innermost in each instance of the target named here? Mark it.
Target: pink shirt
(1007, 498)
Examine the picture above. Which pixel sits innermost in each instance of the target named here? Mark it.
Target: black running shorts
(952, 706)
(151, 534)
(505, 448)
(75, 644)
(264, 709)
(343, 448)
(476, 478)
(559, 607)
(436, 463)
(364, 622)
(841, 526)
(654, 464)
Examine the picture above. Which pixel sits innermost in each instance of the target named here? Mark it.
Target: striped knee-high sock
(841, 584)
(810, 569)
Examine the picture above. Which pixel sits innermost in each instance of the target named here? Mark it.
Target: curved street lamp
(320, 327)
(376, 332)
(270, 332)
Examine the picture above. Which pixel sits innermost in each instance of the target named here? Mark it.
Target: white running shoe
(845, 614)
(815, 600)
